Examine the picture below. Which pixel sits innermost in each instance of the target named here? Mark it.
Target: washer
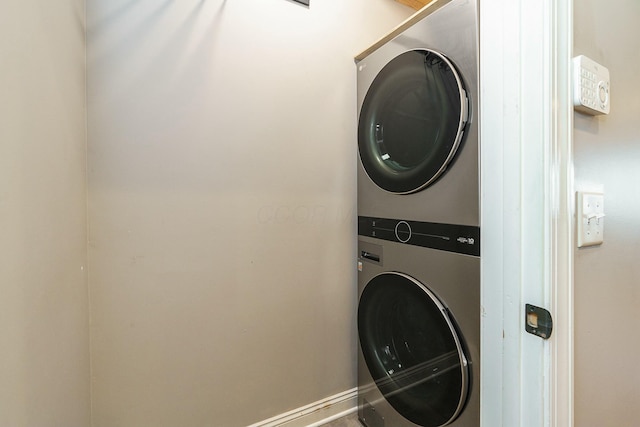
(419, 336)
(417, 121)
(418, 225)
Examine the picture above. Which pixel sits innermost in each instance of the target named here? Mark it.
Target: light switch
(590, 218)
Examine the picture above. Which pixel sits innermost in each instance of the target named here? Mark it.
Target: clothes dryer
(418, 121)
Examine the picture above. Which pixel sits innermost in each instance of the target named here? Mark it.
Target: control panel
(590, 86)
(462, 239)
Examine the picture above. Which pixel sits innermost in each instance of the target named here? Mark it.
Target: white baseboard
(317, 413)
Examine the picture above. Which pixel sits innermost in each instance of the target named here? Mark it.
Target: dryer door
(413, 350)
(412, 121)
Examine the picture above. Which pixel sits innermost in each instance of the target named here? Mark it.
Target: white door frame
(561, 211)
(527, 239)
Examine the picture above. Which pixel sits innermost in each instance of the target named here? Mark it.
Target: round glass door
(412, 121)
(412, 350)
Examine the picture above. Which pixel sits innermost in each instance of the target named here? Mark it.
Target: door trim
(526, 209)
(562, 234)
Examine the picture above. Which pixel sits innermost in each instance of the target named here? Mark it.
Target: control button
(403, 231)
(603, 92)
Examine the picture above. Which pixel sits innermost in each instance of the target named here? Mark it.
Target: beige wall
(607, 278)
(44, 331)
(222, 205)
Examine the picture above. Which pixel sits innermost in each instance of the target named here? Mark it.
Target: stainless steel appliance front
(419, 336)
(418, 121)
(419, 235)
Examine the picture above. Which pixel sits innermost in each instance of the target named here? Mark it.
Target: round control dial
(403, 231)
(603, 93)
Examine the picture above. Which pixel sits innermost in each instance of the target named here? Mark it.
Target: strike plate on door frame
(538, 321)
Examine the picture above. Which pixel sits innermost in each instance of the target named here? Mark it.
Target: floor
(348, 421)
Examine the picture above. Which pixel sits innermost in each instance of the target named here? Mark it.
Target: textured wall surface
(44, 328)
(607, 277)
(222, 205)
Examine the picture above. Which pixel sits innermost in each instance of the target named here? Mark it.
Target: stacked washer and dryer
(419, 225)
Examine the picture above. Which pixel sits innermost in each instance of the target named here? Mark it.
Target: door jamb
(526, 210)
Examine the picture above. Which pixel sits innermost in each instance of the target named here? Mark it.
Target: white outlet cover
(590, 218)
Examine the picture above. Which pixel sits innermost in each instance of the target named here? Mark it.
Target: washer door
(412, 121)
(412, 350)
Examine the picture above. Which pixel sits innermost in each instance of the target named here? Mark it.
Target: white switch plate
(590, 218)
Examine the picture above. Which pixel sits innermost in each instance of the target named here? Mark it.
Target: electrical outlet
(590, 218)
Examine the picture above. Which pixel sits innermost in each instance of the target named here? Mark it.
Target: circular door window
(412, 121)
(412, 350)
